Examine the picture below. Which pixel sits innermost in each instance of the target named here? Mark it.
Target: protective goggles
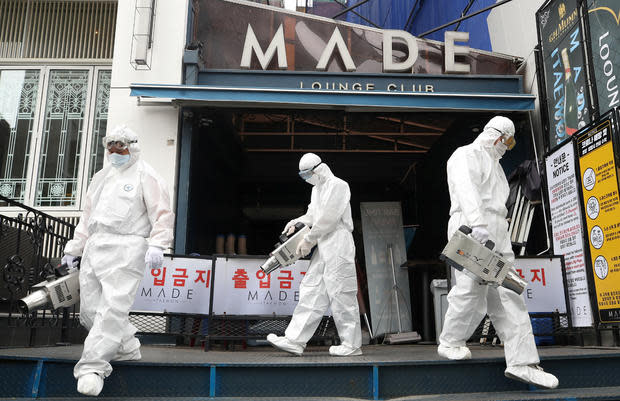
(110, 144)
(307, 173)
(509, 141)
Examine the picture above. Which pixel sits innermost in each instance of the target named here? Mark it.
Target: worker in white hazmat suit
(478, 193)
(331, 279)
(126, 222)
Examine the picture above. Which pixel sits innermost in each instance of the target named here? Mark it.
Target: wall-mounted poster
(601, 205)
(564, 71)
(567, 230)
(604, 21)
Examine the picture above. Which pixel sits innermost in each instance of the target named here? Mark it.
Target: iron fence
(31, 244)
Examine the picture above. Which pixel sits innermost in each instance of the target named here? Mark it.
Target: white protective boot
(285, 344)
(90, 384)
(344, 350)
(454, 353)
(532, 374)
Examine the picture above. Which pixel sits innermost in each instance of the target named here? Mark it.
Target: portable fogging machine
(480, 261)
(284, 252)
(59, 290)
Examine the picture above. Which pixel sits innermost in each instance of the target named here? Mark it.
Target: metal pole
(462, 18)
(346, 10)
(395, 289)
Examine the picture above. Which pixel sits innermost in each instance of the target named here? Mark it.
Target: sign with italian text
(181, 285)
(545, 284)
(561, 39)
(601, 203)
(567, 230)
(242, 288)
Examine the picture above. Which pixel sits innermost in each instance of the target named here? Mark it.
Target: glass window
(61, 140)
(100, 122)
(18, 100)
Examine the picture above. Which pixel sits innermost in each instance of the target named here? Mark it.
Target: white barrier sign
(182, 285)
(241, 287)
(567, 230)
(545, 288)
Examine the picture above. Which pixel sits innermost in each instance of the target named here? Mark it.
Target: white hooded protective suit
(478, 193)
(331, 279)
(127, 210)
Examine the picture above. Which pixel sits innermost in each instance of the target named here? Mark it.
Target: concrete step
(383, 372)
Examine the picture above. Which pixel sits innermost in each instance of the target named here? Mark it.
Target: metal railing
(31, 244)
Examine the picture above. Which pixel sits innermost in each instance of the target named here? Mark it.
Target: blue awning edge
(354, 100)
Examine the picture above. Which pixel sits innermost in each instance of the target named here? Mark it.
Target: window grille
(48, 29)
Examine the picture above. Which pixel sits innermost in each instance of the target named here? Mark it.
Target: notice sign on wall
(545, 284)
(566, 227)
(599, 187)
(242, 288)
(182, 285)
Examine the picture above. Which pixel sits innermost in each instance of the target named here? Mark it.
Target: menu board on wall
(567, 231)
(601, 202)
(604, 21)
(564, 70)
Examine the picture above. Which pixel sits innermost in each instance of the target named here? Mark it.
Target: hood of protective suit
(495, 128)
(125, 134)
(321, 174)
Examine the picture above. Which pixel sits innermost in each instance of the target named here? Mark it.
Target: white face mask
(313, 180)
(500, 149)
(118, 160)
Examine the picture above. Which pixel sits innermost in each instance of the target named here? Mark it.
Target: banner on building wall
(600, 200)
(241, 287)
(567, 231)
(182, 285)
(604, 22)
(382, 230)
(564, 70)
(545, 290)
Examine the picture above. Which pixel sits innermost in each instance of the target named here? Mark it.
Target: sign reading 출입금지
(181, 285)
(242, 288)
(545, 283)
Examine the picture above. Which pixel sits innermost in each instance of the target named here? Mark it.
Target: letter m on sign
(251, 45)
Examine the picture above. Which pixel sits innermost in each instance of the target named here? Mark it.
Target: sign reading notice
(566, 227)
(599, 186)
(182, 285)
(545, 285)
(382, 229)
(242, 288)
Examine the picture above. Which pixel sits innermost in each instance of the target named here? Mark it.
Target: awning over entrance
(350, 92)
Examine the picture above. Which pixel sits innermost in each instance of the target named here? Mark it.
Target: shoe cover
(454, 353)
(90, 384)
(343, 350)
(532, 374)
(284, 344)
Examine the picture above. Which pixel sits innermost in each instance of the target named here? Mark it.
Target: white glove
(304, 248)
(69, 260)
(154, 257)
(289, 228)
(480, 234)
